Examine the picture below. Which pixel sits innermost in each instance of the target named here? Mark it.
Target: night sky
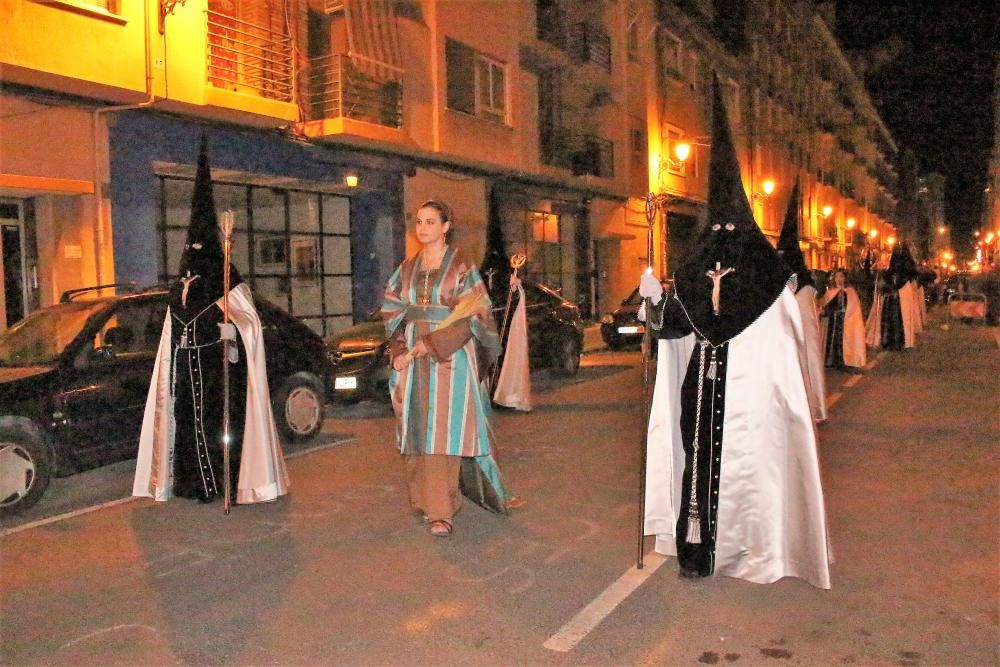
(929, 69)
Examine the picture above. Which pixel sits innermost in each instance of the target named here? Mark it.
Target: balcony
(582, 154)
(588, 44)
(551, 25)
(342, 86)
(247, 58)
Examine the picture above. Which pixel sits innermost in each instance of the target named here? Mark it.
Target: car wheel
(566, 356)
(298, 407)
(24, 468)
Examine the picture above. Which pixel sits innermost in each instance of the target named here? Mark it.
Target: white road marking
(121, 501)
(851, 381)
(66, 515)
(833, 398)
(591, 616)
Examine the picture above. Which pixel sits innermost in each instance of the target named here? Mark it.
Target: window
(632, 35)
(293, 247)
(671, 54)
(103, 9)
(675, 136)
(477, 84)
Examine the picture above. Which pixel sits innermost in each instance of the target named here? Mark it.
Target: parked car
(360, 355)
(74, 379)
(621, 327)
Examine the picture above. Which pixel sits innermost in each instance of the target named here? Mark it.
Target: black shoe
(687, 573)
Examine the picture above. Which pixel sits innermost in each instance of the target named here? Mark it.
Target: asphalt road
(340, 573)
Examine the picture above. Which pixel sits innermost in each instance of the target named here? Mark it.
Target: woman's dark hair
(847, 276)
(445, 212)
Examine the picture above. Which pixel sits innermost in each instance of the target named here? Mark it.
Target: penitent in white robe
(812, 352)
(262, 469)
(855, 351)
(771, 515)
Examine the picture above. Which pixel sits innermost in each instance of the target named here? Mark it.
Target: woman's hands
(401, 361)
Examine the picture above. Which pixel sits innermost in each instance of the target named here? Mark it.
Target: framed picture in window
(272, 253)
(305, 259)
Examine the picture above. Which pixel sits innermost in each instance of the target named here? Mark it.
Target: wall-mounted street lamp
(942, 229)
(851, 222)
(351, 179)
(873, 233)
(768, 187)
(891, 241)
(828, 211)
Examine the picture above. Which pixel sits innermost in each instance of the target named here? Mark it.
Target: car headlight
(607, 319)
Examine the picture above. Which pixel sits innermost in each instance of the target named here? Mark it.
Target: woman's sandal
(440, 528)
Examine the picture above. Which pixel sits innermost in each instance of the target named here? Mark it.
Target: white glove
(227, 331)
(641, 315)
(650, 288)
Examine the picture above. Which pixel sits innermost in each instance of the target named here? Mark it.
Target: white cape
(812, 352)
(907, 304)
(855, 351)
(771, 517)
(262, 468)
(513, 388)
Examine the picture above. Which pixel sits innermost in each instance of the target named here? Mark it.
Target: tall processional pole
(652, 202)
(227, 245)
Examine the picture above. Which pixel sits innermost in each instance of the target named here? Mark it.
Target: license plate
(630, 330)
(345, 383)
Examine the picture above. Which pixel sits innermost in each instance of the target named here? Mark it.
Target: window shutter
(460, 64)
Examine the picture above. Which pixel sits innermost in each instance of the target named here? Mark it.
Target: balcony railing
(345, 86)
(249, 58)
(582, 154)
(589, 44)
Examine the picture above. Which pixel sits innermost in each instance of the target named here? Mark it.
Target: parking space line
(832, 399)
(67, 515)
(851, 381)
(591, 616)
(121, 501)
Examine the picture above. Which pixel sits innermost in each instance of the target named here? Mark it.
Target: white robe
(855, 352)
(812, 352)
(771, 518)
(907, 303)
(513, 388)
(262, 468)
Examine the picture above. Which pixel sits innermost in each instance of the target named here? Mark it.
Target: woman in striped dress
(442, 409)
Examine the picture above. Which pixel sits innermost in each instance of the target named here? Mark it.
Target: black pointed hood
(730, 240)
(495, 268)
(202, 256)
(902, 266)
(788, 242)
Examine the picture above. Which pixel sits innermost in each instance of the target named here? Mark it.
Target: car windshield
(634, 299)
(40, 338)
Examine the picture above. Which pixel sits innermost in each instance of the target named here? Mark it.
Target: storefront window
(293, 247)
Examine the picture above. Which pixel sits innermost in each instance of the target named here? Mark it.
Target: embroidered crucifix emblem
(187, 280)
(717, 274)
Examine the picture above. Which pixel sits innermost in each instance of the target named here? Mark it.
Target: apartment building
(327, 122)
(798, 112)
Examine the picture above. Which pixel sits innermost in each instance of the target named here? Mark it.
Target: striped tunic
(441, 407)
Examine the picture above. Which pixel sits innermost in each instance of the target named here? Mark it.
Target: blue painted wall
(138, 138)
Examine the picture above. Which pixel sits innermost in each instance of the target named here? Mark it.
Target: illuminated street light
(976, 233)
(827, 210)
(767, 186)
(873, 233)
(682, 151)
(851, 222)
(942, 229)
(891, 241)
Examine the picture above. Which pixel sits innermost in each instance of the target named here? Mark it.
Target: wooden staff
(647, 394)
(227, 244)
